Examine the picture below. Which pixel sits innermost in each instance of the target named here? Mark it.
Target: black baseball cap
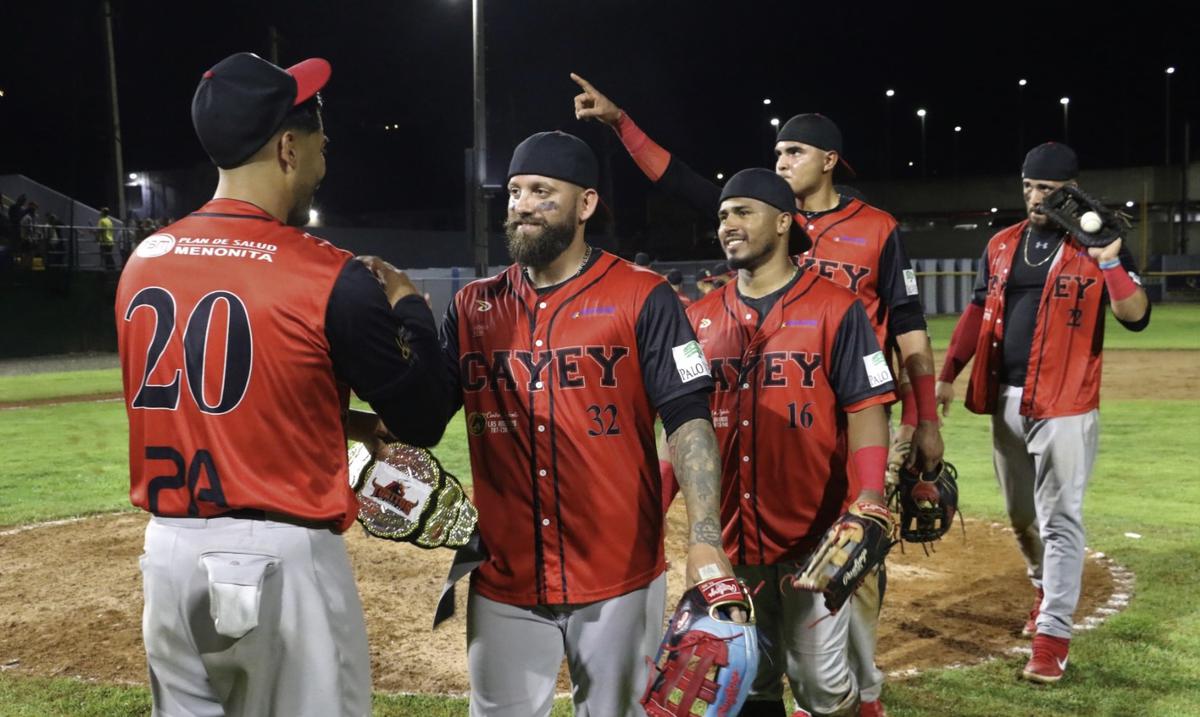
(242, 101)
(1053, 161)
(557, 155)
(818, 131)
(674, 277)
(766, 186)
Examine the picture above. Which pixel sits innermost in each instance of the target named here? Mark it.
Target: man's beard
(538, 250)
(752, 261)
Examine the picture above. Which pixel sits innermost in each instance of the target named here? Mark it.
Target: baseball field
(71, 593)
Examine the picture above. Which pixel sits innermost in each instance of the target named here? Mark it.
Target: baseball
(1090, 222)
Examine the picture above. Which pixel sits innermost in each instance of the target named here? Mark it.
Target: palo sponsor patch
(910, 282)
(878, 372)
(690, 361)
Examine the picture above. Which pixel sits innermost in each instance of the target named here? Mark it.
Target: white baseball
(1090, 222)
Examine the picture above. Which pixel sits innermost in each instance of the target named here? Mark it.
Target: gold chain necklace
(1049, 256)
(587, 254)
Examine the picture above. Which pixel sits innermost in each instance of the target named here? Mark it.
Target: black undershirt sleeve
(388, 355)
(448, 338)
(702, 195)
(981, 281)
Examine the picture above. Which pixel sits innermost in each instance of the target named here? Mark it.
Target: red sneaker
(1049, 659)
(1031, 624)
(871, 709)
(801, 713)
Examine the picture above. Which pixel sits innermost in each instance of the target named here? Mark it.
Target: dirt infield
(72, 591)
(74, 601)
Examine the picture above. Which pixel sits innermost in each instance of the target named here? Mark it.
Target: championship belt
(408, 496)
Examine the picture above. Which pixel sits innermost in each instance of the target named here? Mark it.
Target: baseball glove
(408, 496)
(1066, 206)
(852, 547)
(706, 662)
(928, 502)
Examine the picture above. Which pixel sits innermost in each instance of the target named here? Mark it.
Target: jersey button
(811, 227)
(542, 472)
(745, 385)
(538, 384)
(541, 429)
(545, 521)
(749, 316)
(537, 343)
(745, 422)
(542, 305)
(746, 496)
(745, 459)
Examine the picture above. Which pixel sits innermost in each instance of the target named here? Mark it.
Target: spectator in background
(54, 240)
(675, 279)
(104, 239)
(28, 234)
(15, 212)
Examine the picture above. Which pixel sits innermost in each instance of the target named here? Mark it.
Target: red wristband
(647, 155)
(870, 463)
(908, 413)
(926, 398)
(1120, 284)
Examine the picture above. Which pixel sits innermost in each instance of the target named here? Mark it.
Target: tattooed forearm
(697, 466)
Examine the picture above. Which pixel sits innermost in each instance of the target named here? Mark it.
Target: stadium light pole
(1021, 84)
(887, 132)
(1066, 104)
(480, 215)
(957, 131)
(118, 160)
(921, 114)
(1167, 115)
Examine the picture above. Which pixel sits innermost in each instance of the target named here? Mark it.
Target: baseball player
(798, 409)
(1036, 330)
(240, 337)
(675, 279)
(855, 245)
(562, 362)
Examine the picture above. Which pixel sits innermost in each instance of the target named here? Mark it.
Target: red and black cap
(242, 101)
(768, 187)
(818, 131)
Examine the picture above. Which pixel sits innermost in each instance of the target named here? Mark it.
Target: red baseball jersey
(1066, 350)
(784, 383)
(561, 389)
(229, 385)
(858, 246)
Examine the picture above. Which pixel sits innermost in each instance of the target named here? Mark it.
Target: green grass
(55, 384)
(1172, 326)
(70, 459)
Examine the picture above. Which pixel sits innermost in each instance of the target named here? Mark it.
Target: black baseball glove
(1066, 207)
(928, 502)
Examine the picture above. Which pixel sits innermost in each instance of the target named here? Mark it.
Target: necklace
(587, 254)
(1025, 241)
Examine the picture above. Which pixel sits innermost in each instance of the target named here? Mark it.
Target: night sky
(693, 75)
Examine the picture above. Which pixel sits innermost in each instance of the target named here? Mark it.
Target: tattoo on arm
(697, 464)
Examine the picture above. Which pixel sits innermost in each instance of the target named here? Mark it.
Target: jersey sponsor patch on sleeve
(877, 369)
(690, 361)
(910, 282)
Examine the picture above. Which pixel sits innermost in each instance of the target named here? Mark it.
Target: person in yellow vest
(104, 238)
